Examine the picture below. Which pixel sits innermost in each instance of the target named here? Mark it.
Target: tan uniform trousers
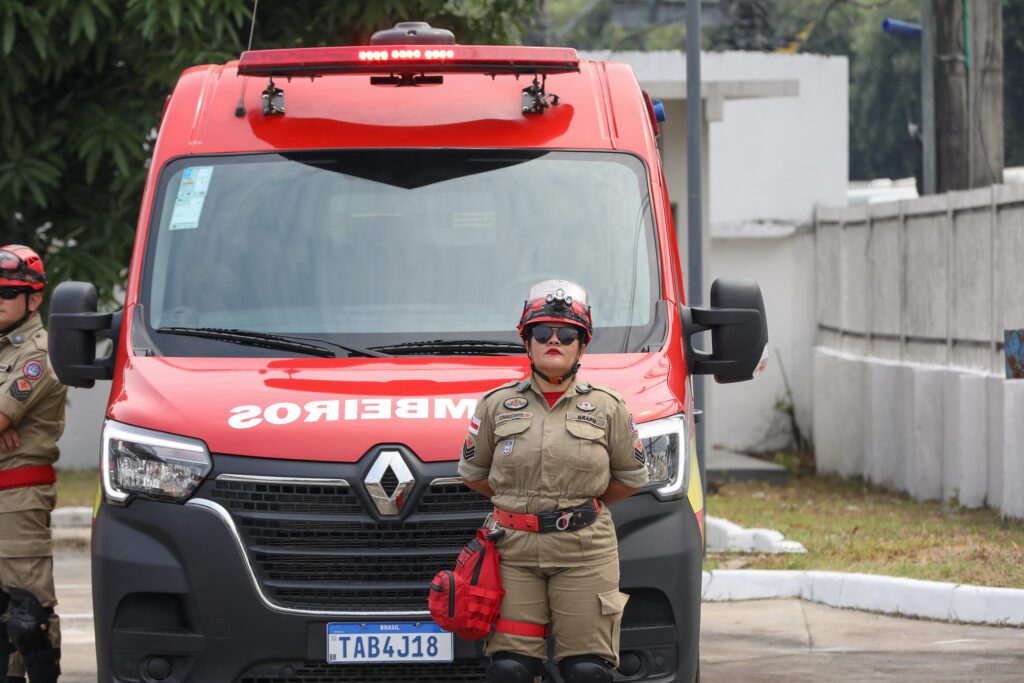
(27, 563)
(583, 605)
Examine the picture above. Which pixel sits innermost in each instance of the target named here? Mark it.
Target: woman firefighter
(552, 453)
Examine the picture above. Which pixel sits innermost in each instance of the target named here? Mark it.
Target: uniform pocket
(585, 448)
(511, 442)
(613, 603)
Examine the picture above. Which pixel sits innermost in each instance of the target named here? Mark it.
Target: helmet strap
(28, 312)
(557, 380)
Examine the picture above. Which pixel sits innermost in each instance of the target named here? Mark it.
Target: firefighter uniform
(33, 400)
(539, 459)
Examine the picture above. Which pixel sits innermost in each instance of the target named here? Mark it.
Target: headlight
(668, 457)
(148, 464)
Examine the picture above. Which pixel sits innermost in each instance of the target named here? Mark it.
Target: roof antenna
(240, 107)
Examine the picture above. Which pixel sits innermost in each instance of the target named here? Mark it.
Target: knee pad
(28, 623)
(511, 667)
(5, 644)
(585, 669)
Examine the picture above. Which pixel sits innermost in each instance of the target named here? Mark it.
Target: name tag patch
(507, 417)
(595, 420)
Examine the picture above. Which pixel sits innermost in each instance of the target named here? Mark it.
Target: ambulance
(332, 252)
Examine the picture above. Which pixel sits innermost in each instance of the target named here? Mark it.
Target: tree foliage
(885, 85)
(85, 82)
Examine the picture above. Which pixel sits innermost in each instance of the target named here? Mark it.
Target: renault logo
(389, 472)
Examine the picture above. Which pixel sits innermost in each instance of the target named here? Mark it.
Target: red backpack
(466, 600)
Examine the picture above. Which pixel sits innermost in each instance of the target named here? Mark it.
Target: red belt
(33, 475)
(556, 520)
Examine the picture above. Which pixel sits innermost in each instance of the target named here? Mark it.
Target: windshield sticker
(188, 206)
(333, 410)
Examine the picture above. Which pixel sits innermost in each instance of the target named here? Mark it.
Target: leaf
(8, 36)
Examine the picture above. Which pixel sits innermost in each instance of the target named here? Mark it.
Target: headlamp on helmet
(557, 301)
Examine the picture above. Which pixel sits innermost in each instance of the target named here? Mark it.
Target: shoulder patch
(468, 449)
(33, 370)
(21, 389)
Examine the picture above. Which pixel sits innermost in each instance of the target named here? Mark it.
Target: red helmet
(21, 266)
(557, 301)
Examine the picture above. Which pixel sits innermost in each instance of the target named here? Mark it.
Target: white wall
(743, 413)
(775, 158)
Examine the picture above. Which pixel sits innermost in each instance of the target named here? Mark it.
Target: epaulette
(608, 390)
(506, 385)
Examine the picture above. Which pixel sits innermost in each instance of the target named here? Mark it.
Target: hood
(331, 410)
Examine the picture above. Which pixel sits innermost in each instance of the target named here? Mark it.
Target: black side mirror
(739, 331)
(73, 326)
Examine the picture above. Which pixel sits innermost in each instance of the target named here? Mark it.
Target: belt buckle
(564, 520)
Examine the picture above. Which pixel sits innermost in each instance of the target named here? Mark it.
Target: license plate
(422, 641)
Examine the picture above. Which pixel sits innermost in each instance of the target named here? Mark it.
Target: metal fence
(934, 280)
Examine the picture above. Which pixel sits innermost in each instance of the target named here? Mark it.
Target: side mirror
(73, 326)
(739, 331)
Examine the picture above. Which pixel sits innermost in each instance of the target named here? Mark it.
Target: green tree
(1013, 82)
(85, 82)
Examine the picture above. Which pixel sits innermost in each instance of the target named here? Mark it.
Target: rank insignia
(33, 369)
(506, 447)
(515, 403)
(583, 388)
(638, 453)
(586, 406)
(21, 389)
(468, 449)
(632, 424)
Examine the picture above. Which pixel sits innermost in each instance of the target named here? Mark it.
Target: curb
(71, 518)
(726, 536)
(867, 592)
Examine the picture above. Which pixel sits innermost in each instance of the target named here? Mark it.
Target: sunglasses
(10, 293)
(566, 335)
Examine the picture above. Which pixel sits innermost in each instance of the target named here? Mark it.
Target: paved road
(769, 640)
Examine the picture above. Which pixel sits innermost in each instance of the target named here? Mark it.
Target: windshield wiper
(271, 341)
(456, 347)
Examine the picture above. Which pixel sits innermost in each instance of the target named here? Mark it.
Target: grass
(76, 487)
(851, 526)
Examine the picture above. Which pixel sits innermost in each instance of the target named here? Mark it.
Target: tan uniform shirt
(33, 399)
(538, 459)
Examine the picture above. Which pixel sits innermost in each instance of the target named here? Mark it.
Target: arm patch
(21, 389)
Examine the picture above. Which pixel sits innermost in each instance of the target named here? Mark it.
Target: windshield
(384, 247)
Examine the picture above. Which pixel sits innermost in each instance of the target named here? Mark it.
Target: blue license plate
(368, 642)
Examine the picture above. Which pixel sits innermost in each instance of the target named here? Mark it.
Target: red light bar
(412, 59)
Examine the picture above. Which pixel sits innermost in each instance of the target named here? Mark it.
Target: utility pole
(985, 93)
(950, 70)
(927, 98)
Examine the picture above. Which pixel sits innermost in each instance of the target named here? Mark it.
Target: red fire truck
(332, 250)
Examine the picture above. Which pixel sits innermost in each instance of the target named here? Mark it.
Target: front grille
(261, 496)
(315, 547)
(459, 671)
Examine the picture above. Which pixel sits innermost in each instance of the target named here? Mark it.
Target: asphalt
(796, 640)
(759, 640)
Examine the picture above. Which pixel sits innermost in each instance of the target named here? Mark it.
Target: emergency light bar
(408, 59)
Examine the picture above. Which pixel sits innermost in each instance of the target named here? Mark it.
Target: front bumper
(186, 593)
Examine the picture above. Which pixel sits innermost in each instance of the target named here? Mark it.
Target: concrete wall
(913, 298)
(80, 444)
